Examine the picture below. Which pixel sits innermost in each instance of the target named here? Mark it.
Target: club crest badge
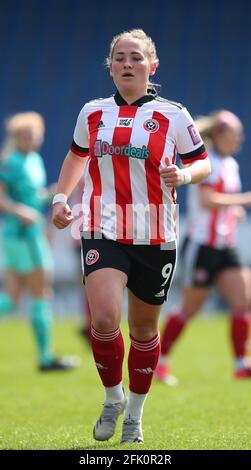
(92, 257)
(151, 125)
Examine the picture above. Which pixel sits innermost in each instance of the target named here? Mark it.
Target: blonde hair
(216, 122)
(19, 122)
(135, 34)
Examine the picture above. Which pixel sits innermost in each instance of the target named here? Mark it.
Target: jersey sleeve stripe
(202, 156)
(198, 154)
(80, 151)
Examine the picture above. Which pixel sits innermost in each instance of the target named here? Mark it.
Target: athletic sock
(175, 324)
(108, 352)
(41, 322)
(239, 334)
(114, 394)
(142, 361)
(7, 305)
(135, 405)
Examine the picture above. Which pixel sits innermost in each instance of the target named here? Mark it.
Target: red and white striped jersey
(124, 196)
(215, 228)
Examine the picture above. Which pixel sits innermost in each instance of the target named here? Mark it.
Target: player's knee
(104, 324)
(143, 333)
(39, 290)
(105, 320)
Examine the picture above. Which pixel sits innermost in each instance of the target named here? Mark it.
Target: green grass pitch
(207, 410)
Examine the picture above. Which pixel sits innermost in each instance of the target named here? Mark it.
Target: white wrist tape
(60, 197)
(187, 177)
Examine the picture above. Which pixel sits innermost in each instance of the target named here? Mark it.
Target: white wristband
(60, 197)
(187, 177)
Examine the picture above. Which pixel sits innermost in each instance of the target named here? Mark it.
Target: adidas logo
(146, 371)
(100, 124)
(99, 366)
(160, 294)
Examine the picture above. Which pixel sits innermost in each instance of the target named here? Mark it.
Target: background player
(208, 255)
(27, 256)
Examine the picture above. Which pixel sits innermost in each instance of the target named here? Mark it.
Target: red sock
(175, 324)
(239, 333)
(142, 361)
(108, 352)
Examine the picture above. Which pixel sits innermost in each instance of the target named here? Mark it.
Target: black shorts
(201, 264)
(149, 268)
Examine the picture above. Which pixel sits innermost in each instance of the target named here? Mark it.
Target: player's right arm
(71, 171)
(211, 199)
(70, 174)
(26, 214)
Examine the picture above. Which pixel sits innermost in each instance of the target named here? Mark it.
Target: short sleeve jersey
(215, 227)
(24, 177)
(124, 196)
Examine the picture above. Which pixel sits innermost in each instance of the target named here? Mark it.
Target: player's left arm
(198, 169)
(195, 162)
